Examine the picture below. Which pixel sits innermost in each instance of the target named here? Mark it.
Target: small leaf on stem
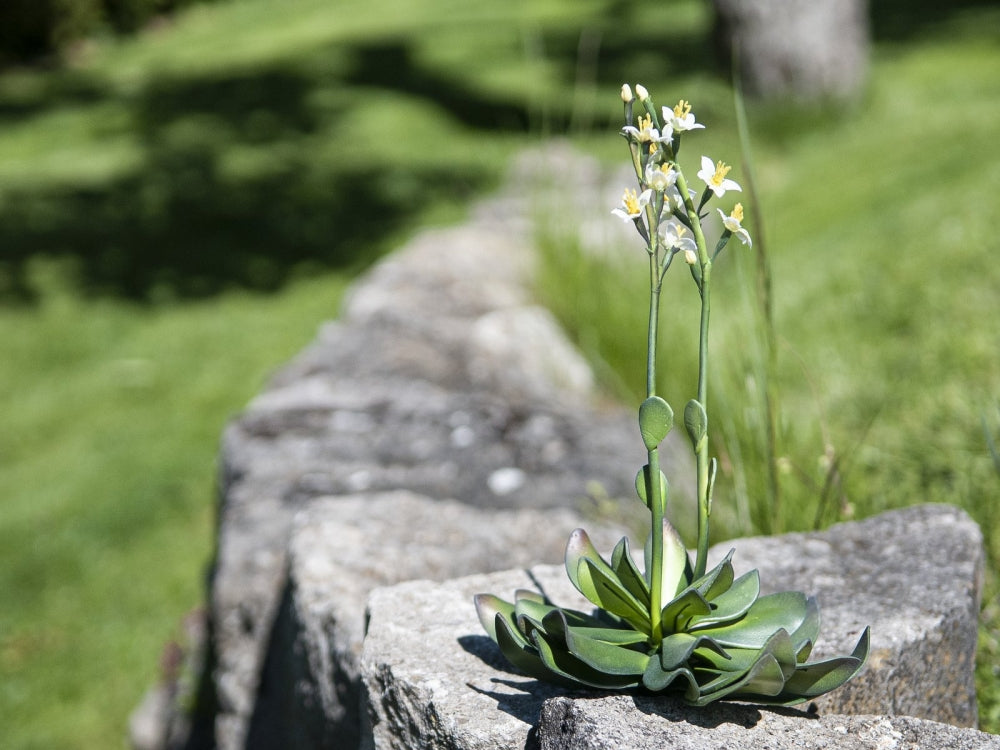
(696, 421)
(655, 420)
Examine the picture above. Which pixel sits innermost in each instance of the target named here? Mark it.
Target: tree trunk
(796, 49)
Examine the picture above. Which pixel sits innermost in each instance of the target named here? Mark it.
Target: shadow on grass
(901, 20)
(193, 219)
(189, 221)
(229, 190)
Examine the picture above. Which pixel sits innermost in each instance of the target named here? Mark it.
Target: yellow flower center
(721, 170)
(737, 212)
(631, 202)
(645, 125)
(683, 109)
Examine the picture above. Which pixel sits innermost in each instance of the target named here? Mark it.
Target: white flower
(714, 175)
(673, 200)
(646, 133)
(661, 177)
(734, 224)
(680, 117)
(677, 236)
(632, 205)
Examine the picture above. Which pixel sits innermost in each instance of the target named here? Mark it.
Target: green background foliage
(180, 209)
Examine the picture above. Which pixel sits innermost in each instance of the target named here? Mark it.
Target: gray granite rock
(916, 576)
(797, 49)
(343, 547)
(640, 722)
(434, 680)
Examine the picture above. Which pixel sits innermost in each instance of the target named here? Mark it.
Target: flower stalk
(654, 490)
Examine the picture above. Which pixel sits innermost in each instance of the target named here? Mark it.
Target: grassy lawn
(179, 211)
(111, 415)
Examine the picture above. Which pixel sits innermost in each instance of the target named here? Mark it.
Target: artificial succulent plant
(672, 626)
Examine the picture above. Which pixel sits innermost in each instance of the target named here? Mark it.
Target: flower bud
(641, 92)
(690, 257)
(627, 93)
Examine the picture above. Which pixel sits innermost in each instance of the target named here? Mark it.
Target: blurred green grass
(178, 211)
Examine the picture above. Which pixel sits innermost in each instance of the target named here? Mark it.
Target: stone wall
(443, 412)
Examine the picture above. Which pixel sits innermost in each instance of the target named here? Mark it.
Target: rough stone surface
(343, 547)
(641, 722)
(801, 49)
(443, 378)
(434, 680)
(916, 576)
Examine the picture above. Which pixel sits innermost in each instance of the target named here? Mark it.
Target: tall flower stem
(702, 462)
(701, 449)
(654, 490)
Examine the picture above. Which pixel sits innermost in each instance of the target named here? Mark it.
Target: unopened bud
(641, 92)
(690, 257)
(627, 93)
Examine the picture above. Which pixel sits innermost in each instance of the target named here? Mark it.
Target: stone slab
(643, 722)
(341, 548)
(434, 680)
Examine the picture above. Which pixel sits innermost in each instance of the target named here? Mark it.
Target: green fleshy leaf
(532, 608)
(640, 486)
(522, 654)
(677, 614)
(805, 635)
(731, 605)
(573, 617)
(606, 657)
(786, 610)
(695, 421)
(617, 636)
(656, 678)
(781, 647)
(592, 628)
(611, 595)
(811, 680)
(731, 659)
(632, 579)
(572, 669)
(529, 615)
(580, 548)
(765, 678)
(675, 562)
(655, 420)
(717, 580)
(805, 648)
(765, 675)
(529, 594)
(722, 678)
(488, 607)
(677, 648)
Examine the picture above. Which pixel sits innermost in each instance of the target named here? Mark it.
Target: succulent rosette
(720, 638)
